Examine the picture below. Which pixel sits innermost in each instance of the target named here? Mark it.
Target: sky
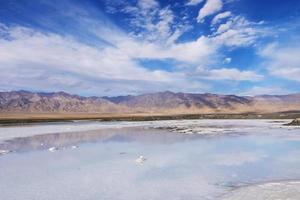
(118, 47)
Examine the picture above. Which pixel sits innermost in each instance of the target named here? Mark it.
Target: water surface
(204, 162)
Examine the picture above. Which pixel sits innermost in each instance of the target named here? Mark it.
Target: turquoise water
(178, 166)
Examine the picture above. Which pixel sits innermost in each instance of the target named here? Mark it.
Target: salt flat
(182, 159)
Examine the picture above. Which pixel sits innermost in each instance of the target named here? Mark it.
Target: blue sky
(117, 47)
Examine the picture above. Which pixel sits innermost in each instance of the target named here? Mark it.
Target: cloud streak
(282, 60)
(232, 74)
(209, 8)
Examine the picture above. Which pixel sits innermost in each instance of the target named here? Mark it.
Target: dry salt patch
(3, 152)
(289, 190)
(53, 149)
(140, 160)
(200, 130)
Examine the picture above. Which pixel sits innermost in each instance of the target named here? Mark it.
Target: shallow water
(178, 165)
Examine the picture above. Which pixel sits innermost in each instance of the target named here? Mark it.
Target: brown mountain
(60, 102)
(160, 103)
(182, 102)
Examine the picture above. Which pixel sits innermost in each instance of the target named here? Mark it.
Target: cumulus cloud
(282, 61)
(209, 8)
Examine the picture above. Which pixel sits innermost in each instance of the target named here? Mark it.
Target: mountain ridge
(159, 102)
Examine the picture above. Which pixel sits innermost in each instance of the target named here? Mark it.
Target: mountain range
(153, 103)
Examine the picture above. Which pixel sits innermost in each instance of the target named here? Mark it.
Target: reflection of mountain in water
(60, 140)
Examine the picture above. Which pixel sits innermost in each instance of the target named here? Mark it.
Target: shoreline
(28, 118)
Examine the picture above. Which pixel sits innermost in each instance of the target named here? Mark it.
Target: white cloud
(152, 23)
(147, 4)
(62, 63)
(220, 16)
(238, 31)
(51, 55)
(228, 74)
(257, 90)
(194, 52)
(227, 60)
(64, 53)
(282, 61)
(194, 2)
(210, 7)
(156, 33)
(114, 64)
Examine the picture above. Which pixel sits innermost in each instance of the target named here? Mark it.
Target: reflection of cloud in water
(132, 134)
(292, 157)
(96, 171)
(238, 158)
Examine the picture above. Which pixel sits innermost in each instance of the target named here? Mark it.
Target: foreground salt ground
(268, 191)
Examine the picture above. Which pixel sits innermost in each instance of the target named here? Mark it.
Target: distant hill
(160, 103)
